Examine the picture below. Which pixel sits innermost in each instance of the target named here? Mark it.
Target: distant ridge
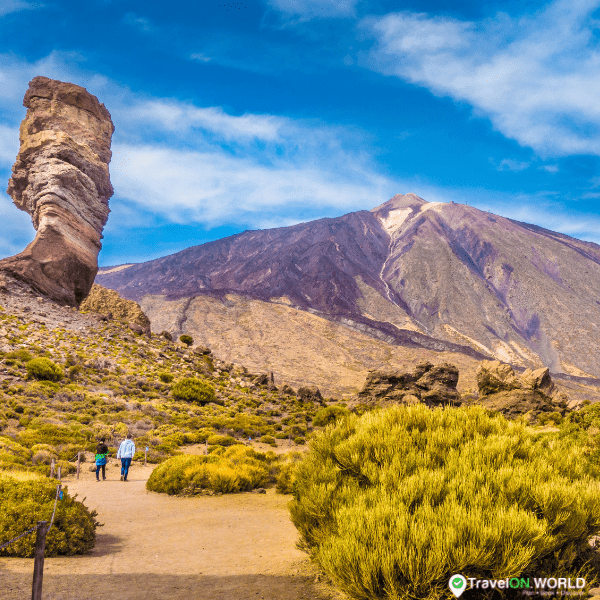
(442, 276)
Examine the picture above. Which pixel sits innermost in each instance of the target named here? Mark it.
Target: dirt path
(158, 547)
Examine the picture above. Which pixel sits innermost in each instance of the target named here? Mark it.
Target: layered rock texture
(61, 179)
(529, 394)
(432, 385)
(433, 276)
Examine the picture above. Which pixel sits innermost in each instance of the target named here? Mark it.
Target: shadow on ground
(144, 586)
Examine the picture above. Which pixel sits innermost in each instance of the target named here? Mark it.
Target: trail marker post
(205, 446)
(52, 469)
(146, 456)
(78, 463)
(38, 565)
(59, 472)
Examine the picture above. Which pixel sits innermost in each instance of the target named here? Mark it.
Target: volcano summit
(442, 276)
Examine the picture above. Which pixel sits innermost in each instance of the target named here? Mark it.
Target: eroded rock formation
(433, 385)
(530, 394)
(109, 303)
(61, 179)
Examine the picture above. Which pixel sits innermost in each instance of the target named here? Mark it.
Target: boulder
(530, 394)
(61, 179)
(433, 385)
(309, 394)
(105, 301)
(494, 376)
(287, 390)
(202, 350)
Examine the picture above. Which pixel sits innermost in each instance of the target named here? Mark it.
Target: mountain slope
(436, 275)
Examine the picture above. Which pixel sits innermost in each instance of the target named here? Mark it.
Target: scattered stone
(166, 335)
(136, 328)
(202, 350)
(433, 385)
(105, 301)
(310, 394)
(288, 390)
(61, 179)
(530, 394)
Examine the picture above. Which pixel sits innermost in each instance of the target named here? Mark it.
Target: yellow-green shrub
(392, 503)
(329, 414)
(43, 368)
(192, 389)
(235, 469)
(26, 499)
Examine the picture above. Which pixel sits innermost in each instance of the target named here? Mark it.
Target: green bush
(268, 439)
(391, 504)
(286, 476)
(554, 418)
(192, 389)
(188, 340)
(165, 377)
(21, 355)
(236, 469)
(43, 368)
(26, 499)
(220, 440)
(329, 414)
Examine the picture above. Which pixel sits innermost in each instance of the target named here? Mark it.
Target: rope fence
(7, 544)
(35, 527)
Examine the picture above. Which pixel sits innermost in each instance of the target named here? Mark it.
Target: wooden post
(289, 439)
(205, 446)
(59, 472)
(52, 469)
(38, 565)
(78, 463)
(146, 456)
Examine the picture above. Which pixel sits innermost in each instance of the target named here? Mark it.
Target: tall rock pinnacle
(61, 179)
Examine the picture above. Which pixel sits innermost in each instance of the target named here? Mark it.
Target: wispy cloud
(508, 164)
(12, 6)
(311, 9)
(550, 168)
(141, 23)
(535, 77)
(201, 57)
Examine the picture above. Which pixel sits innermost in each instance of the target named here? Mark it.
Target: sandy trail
(159, 547)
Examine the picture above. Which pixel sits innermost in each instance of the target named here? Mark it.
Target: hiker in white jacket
(126, 453)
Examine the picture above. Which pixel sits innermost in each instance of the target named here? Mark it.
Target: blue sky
(266, 113)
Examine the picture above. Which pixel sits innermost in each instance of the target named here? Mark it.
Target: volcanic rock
(530, 394)
(310, 394)
(61, 179)
(105, 301)
(433, 385)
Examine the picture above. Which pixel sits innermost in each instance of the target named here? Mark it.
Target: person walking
(126, 453)
(101, 454)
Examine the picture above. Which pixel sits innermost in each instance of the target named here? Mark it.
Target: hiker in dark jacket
(101, 454)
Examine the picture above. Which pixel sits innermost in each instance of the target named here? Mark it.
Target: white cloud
(141, 23)
(11, 6)
(534, 77)
(201, 57)
(9, 145)
(179, 117)
(508, 164)
(550, 168)
(216, 187)
(310, 9)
